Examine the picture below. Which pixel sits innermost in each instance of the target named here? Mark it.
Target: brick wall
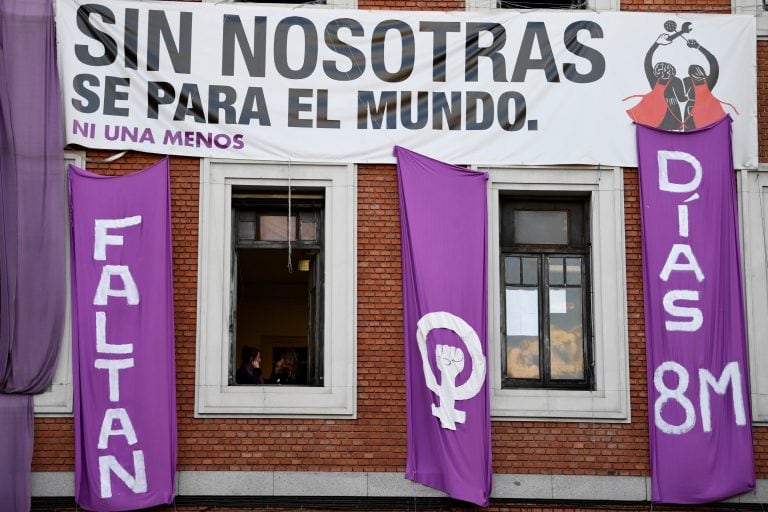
(375, 441)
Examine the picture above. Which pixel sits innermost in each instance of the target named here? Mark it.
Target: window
(557, 294)
(753, 200)
(757, 8)
(58, 399)
(253, 218)
(338, 4)
(596, 5)
(278, 267)
(545, 262)
(541, 4)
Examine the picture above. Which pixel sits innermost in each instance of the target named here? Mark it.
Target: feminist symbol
(450, 362)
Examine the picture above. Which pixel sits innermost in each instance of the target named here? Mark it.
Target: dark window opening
(308, 2)
(542, 4)
(277, 284)
(546, 328)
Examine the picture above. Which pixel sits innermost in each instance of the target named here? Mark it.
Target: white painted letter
(101, 338)
(137, 483)
(672, 265)
(694, 315)
(129, 290)
(114, 366)
(676, 394)
(667, 186)
(730, 374)
(102, 239)
(682, 220)
(126, 427)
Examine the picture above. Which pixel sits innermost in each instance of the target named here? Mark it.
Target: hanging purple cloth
(122, 342)
(32, 231)
(698, 389)
(444, 229)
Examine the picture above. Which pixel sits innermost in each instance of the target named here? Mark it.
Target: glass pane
(566, 338)
(573, 270)
(556, 276)
(512, 270)
(308, 226)
(522, 358)
(530, 271)
(246, 230)
(273, 228)
(541, 227)
(522, 333)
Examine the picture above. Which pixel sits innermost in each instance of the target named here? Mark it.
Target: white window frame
(330, 4)
(592, 5)
(213, 395)
(610, 399)
(58, 399)
(753, 8)
(753, 212)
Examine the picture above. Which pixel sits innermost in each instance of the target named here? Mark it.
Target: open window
(276, 273)
(278, 270)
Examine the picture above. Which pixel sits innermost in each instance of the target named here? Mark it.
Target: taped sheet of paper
(557, 301)
(522, 312)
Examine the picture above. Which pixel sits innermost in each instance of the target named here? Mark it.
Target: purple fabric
(699, 412)
(123, 352)
(32, 231)
(443, 231)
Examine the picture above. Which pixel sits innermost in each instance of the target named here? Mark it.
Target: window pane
(541, 4)
(308, 226)
(573, 270)
(522, 324)
(541, 227)
(566, 334)
(246, 226)
(512, 270)
(273, 228)
(530, 271)
(556, 276)
(276, 313)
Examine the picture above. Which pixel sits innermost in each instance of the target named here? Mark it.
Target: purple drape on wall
(698, 390)
(32, 230)
(123, 351)
(444, 229)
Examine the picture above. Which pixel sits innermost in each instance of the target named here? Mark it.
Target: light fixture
(303, 265)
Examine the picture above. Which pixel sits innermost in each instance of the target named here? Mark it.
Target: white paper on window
(522, 312)
(557, 301)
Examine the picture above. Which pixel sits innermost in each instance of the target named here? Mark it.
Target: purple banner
(698, 390)
(444, 222)
(124, 369)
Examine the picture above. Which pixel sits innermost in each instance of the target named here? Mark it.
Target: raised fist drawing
(450, 361)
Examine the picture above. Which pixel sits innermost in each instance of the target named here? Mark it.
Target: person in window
(250, 367)
(286, 368)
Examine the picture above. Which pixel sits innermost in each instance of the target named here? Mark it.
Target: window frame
(542, 253)
(213, 394)
(609, 400)
(753, 200)
(753, 8)
(591, 5)
(58, 400)
(297, 245)
(330, 4)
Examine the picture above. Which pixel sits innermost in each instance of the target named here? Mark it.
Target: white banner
(329, 85)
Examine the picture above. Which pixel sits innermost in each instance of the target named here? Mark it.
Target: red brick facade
(375, 441)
